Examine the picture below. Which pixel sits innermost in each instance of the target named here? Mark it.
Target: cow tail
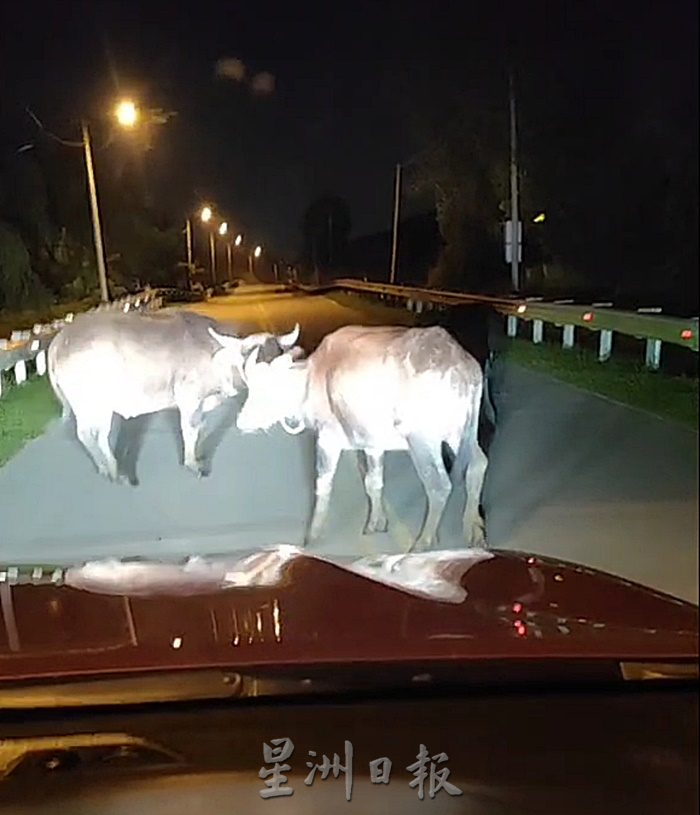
(66, 411)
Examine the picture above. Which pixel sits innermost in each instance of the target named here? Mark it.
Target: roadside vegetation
(625, 381)
(25, 410)
(26, 318)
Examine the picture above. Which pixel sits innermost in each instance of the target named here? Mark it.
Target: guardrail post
(20, 371)
(409, 304)
(652, 356)
(605, 346)
(512, 329)
(41, 362)
(537, 327)
(419, 307)
(567, 339)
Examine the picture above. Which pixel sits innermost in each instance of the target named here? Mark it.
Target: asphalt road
(570, 475)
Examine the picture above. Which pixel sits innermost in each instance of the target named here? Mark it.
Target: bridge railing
(27, 346)
(644, 324)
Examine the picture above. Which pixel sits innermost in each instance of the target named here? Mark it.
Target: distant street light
(223, 229)
(254, 254)
(206, 214)
(539, 219)
(239, 240)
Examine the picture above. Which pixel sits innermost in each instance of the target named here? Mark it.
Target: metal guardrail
(644, 324)
(31, 345)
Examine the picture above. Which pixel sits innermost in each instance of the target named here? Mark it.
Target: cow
(373, 389)
(107, 363)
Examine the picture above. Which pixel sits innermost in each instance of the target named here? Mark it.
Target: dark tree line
(46, 241)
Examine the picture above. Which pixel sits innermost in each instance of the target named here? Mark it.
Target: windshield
(384, 327)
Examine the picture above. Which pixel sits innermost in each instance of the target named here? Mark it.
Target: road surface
(570, 475)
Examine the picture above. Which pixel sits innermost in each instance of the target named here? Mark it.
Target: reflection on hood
(432, 575)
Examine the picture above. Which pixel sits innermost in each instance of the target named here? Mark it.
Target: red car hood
(501, 606)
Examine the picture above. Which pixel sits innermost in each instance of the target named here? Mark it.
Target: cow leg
(427, 459)
(327, 458)
(472, 521)
(373, 476)
(93, 432)
(190, 423)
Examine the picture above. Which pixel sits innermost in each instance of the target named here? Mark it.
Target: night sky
(350, 81)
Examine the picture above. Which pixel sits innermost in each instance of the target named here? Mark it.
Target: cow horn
(224, 340)
(288, 340)
(249, 364)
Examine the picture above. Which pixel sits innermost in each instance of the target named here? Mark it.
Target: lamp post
(127, 115)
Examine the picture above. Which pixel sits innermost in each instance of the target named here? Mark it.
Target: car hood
(284, 607)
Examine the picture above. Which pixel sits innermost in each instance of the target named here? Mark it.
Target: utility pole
(188, 241)
(229, 260)
(212, 253)
(515, 235)
(395, 236)
(188, 238)
(95, 212)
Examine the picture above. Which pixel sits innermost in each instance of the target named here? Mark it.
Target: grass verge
(25, 410)
(670, 397)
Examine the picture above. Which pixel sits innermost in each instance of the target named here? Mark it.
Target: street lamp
(254, 254)
(126, 114)
(206, 214)
(239, 240)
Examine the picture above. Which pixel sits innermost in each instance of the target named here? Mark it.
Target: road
(570, 475)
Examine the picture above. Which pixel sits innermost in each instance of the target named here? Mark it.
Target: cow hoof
(475, 535)
(422, 545)
(372, 527)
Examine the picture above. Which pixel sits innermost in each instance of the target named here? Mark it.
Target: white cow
(133, 364)
(377, 389)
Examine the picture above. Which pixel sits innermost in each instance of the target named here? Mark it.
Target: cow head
(276, 393)
(232, 354)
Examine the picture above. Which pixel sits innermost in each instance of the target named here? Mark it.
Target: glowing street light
(127, 113)
(223, 229)
(206, 214)
(257, 251)
(239, 240)
(539, 219)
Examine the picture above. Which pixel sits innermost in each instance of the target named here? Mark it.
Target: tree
(465, 168)
(19, 286)
(326, 228)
